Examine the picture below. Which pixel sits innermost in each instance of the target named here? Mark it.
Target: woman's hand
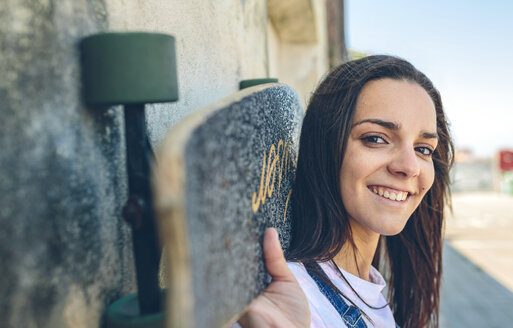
(282, 303)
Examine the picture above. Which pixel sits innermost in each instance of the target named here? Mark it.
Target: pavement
(477, 283)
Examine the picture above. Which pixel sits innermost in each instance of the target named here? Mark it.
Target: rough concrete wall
(65, 254)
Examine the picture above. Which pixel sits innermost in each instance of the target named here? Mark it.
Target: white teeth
(400, 196)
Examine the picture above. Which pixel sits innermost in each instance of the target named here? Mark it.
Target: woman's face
(387, 166)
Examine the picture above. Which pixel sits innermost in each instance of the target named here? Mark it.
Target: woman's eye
(374, 140)
(425, 151)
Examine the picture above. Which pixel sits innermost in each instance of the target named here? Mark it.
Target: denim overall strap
(351, 314)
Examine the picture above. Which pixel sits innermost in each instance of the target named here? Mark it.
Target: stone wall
(64, 252)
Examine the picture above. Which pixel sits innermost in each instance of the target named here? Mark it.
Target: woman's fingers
(282, 303)
(274, 259)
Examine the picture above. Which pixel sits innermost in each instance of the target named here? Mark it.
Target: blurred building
(470, 173)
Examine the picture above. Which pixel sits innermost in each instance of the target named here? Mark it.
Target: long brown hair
(320, 225)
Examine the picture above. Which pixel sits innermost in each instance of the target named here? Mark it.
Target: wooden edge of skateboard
(169, 185)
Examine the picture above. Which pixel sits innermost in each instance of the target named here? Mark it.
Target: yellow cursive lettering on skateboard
(268, 175)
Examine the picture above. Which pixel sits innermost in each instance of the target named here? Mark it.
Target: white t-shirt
(324, 315)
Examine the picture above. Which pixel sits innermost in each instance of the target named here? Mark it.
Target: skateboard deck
(223, 175)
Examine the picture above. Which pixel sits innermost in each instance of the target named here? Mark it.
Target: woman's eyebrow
(388, 125)
(394, 127)
(429, 135)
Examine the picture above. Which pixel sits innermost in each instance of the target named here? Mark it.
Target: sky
(464, 47)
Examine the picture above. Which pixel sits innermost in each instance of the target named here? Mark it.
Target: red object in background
(506, 160)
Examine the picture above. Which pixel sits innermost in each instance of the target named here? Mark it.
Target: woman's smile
(390, 193)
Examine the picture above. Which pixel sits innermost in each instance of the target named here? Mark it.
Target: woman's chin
(391, 230)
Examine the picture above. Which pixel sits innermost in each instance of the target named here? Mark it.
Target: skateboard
(223, 175)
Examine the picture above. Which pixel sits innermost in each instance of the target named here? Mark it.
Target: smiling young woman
(371, 186)
(373, 167)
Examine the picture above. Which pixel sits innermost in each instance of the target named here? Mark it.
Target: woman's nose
(405, 162)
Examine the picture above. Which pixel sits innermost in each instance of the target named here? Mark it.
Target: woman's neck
(358, 260)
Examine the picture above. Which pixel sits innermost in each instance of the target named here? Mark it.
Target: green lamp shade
(250, 83)
(129, 68)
